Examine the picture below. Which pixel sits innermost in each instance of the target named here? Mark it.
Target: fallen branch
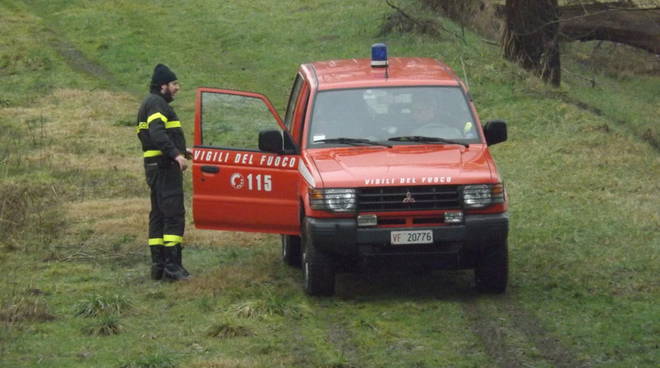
(620, 22)
(635, 27)
(425, 27)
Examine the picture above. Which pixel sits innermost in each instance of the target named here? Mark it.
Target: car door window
(234, 121)
(293, 98)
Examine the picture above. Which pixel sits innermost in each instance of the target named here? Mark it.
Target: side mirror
(495, 131)
(271, 141)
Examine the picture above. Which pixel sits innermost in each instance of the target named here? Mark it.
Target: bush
(105, 326)
(102, 305)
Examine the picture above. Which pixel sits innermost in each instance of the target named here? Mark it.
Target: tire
(291, 251)
(318, 271)
(492, 270)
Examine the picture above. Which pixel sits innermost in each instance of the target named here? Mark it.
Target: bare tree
(531, 37)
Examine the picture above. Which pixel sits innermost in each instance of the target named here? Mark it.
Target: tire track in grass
(645, 137)
(342, 338)
(548, 345)
(72, 55)
(297, 342)
(80, 63)
(301, 349)
(496, 346)
(362, 335)
(324, 338)
(505, 354)
(407, 320)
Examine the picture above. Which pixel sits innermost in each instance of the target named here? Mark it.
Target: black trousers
(167, 216)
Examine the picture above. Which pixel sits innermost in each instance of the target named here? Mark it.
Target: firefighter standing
(165, 153)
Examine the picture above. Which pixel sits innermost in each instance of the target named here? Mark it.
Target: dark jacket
(159, 129)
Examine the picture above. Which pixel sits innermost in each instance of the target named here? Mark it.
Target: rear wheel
(318, 270)
(492, 270)
(291, 250)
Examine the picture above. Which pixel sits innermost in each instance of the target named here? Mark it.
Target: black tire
(318, 271)
(291, 251)
(491, 273)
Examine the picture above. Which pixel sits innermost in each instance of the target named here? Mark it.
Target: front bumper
(454, 246)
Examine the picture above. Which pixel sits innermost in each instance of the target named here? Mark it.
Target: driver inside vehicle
(427, 120)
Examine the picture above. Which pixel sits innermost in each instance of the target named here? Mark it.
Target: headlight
(333, 199)
(482, 195)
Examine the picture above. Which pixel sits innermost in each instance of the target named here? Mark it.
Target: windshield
(380, 114)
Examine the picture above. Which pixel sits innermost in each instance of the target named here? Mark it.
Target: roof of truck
(356, 73)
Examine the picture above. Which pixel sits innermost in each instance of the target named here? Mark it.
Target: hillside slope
(585, 213)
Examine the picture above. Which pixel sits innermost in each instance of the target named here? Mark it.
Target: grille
(409, 198)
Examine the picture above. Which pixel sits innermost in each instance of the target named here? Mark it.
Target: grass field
(581, 168)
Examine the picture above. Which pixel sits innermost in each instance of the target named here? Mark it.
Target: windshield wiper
(422, 139)
(353, 141)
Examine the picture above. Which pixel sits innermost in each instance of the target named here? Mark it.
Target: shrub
(105, 326)
(102, 305)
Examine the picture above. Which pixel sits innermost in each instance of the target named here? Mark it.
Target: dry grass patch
(25, 205)
(107, 214)
(106, 228)
(213, 238)
(77, 129)
(22, 308)
(226, 330)
(226, 279)
(255, 271)
(65, 147)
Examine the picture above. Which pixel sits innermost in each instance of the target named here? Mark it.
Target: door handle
(210, 169)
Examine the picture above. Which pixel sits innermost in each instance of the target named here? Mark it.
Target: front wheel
(291, 250)
(318, 271)
(492, 270)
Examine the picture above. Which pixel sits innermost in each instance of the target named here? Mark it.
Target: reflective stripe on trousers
(167, 215)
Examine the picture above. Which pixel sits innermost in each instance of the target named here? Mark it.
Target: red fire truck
(379, 163)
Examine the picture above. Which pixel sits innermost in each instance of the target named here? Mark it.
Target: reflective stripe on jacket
(159, 129)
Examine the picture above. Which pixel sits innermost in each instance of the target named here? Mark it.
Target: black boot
(178, 259)
(172, 269)
(157, 262)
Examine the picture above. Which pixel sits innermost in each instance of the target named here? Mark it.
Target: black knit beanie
(162, 75)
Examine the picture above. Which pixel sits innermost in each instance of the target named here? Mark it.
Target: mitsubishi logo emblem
(408, 198)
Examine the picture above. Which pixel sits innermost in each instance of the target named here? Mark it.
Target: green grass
(584, 238)
(100, 305)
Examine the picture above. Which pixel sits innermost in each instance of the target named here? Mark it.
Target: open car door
(235, 185)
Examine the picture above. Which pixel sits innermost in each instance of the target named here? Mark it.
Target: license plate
(412, 237)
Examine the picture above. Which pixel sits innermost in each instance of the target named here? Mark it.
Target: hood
(402, 165)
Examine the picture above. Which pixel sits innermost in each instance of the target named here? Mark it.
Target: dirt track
(523, 321)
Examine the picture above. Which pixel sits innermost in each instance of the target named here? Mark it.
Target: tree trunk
(530, 37)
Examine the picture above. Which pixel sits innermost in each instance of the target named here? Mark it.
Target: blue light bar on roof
(378, 55)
